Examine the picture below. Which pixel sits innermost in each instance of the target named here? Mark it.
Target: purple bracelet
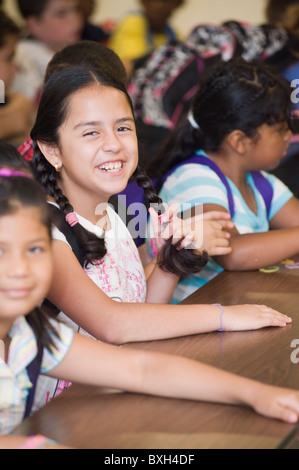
(221, 314)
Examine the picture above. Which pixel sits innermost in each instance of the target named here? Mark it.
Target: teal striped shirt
(195, 184)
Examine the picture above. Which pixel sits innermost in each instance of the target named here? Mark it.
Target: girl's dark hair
(52, 112)
(91, 54)
(32, 7)
(7, 27)
(235, 95)
(18, 192)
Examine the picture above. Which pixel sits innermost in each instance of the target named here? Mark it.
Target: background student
(140, 32)
(16, 110)
(91, 31)
(51, 25)
(239, 127)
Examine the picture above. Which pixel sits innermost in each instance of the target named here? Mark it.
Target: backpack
(59, 221)
(33, 370)
(163, 86)
(260, 181)
(162, 89)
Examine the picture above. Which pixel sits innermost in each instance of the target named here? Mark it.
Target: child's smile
(111, 167)
(25, 262)
(98, 149)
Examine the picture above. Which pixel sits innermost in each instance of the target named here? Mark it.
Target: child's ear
(238, 141)
(51, 153)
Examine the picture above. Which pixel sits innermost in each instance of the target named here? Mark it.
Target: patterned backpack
(163, 86)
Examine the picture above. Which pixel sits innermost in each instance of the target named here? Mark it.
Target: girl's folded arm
(257, 250)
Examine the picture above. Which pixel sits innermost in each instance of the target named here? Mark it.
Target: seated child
(91, 32)
(51, 25)
(239, 128)
(16, 111)
(141, 32)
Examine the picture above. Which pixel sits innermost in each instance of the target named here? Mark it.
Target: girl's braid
(216, 83)
(179, 262)
(245, 103)
(93, 247)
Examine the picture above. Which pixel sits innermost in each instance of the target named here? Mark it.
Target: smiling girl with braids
(85, 151)
(239, 126)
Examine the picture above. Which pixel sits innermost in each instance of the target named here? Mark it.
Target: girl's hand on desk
(275, 402)
(252, 317)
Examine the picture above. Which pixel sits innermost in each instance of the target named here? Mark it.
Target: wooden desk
(86, 417)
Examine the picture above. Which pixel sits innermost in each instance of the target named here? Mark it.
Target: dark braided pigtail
(182, 262)
(93, 247)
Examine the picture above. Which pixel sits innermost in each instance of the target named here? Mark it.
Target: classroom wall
(192, 13)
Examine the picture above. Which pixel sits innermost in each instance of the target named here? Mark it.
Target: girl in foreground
(25, 277)
(86, 151)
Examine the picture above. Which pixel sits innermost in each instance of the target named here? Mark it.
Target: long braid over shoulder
(180, 262)
(93, 247)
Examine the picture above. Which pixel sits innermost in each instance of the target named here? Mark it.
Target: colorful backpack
(33, 370)
(163, 86)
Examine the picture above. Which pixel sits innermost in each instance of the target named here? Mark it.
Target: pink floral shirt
(119, 274)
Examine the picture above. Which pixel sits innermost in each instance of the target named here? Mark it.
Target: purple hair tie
(8, 172)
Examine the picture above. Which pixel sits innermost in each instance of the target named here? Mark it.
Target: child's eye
(36, 249)
(123, 129)
(90, 133)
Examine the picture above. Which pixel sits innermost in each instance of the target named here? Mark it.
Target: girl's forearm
(160, 286)
(257, 250)
(152, 373)
(188, 379)
(148, 322)
(170, 376)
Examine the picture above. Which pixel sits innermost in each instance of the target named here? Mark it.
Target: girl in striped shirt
(238, 129)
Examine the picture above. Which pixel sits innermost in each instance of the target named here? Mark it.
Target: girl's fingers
(168, 225)
(170, 212)
(216, 215)
(156, 224)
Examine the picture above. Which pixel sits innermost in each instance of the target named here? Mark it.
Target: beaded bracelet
(221, 314)
(36, 442)
(152, 248)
